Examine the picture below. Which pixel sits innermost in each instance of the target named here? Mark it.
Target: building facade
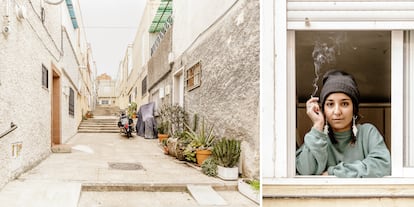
(106, 90)
(372, 40)
(44, 81)
(212, 69)
(131, 83)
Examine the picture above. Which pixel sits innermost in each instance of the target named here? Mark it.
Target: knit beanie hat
(338, 81)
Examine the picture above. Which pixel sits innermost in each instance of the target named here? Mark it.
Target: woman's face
(338, 111)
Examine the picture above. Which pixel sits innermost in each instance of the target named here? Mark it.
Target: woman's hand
(315, 114)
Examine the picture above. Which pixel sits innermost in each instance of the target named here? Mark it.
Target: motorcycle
(125, 125)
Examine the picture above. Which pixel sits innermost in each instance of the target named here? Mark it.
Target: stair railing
(12, 128)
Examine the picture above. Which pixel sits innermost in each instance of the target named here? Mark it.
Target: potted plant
(132, 108)
(178, 144)
(250, 188)
(201, 142)
(162, 131)
(209, 166)
(164, 144)
(174, 117)
(89, 114)
(227, 153)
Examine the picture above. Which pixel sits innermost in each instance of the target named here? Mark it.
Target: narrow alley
(70, 68)
(107, 169)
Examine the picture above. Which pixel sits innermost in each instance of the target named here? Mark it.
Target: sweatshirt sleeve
(377, 161)
(312, 156)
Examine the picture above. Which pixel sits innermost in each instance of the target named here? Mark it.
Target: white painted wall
(193, 17)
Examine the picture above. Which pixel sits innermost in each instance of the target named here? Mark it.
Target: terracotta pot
(165, 150)
(201, 155)
(162, 137)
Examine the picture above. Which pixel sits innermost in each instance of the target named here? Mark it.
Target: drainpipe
(6, 26)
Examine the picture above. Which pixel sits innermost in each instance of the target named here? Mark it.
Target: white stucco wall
(23, 100)
(194, 17)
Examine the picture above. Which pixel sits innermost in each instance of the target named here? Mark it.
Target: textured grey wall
(229, 93)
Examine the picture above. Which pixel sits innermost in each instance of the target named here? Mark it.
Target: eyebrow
(344, 99)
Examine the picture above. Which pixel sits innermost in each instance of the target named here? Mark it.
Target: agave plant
(227, 152)
(203, 139)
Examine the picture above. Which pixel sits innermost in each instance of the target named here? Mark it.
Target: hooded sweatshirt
(368, 157)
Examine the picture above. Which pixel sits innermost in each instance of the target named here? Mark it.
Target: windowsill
(332, 187)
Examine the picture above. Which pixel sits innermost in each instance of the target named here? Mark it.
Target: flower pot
(162, 137)
(165, 150)
(248, 191)
(201, 155)
(227, 173)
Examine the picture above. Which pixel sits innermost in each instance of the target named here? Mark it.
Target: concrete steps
(99, 125)
(106, 111)
(105, 120)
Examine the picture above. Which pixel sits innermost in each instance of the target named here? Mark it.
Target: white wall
(192, 17)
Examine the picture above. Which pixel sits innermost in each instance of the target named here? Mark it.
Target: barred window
(144, 86)
(193, 79)
(71, 102)
(45, 77)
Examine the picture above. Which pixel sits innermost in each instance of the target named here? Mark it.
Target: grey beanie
(338, 81)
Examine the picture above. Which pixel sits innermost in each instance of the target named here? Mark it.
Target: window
(71, 102)
(360, 53)
(144, 86)
(45, 77)
(381, 62)
(193, 79)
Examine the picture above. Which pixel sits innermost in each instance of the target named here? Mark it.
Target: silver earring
(326, 128)
(354, 128)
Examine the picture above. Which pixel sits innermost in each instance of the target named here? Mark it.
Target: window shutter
(308, 12)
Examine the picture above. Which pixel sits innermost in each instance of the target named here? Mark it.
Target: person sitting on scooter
(123, 116)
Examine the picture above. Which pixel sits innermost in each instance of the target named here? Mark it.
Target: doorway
(55, 108)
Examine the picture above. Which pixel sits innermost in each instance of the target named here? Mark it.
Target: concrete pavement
(107, 169)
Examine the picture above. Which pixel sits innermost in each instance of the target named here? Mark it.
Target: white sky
(110, 26)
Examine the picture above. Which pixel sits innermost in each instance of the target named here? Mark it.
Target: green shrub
(209, 167)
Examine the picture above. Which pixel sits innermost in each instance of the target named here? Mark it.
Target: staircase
(99, 125)
(105, 120)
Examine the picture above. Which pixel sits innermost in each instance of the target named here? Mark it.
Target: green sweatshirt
(368, 157)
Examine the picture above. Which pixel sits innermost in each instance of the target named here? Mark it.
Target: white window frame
(277, 95)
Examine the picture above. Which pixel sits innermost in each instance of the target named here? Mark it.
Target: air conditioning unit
(171, 58)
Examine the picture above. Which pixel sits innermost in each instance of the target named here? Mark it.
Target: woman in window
(336, 145)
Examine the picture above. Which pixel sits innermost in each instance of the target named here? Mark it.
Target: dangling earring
(354, 128)
(326, 127)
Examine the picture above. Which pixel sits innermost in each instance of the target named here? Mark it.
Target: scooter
(125, 125)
